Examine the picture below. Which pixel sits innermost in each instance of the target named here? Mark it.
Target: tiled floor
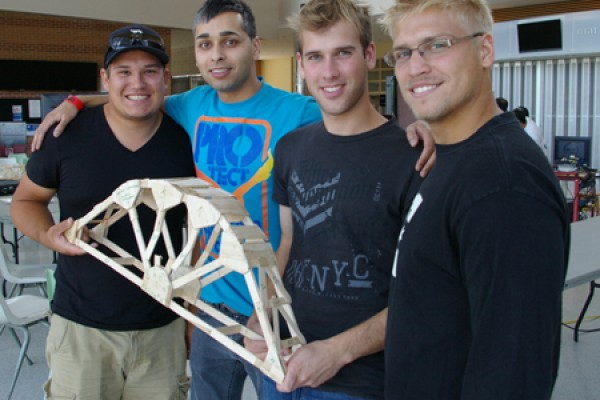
(579, 375)
(31, 378)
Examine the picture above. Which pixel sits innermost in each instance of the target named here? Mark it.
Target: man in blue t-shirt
(234, 123)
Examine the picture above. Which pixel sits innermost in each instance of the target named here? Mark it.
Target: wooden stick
(244, 250)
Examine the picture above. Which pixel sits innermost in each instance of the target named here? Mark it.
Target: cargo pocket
(62, 396)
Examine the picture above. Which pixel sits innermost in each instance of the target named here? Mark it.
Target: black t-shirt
(475, 299)
(85, 165)
(347, 196)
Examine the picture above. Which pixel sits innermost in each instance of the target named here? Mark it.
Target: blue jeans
(217, 372)
(269, 392)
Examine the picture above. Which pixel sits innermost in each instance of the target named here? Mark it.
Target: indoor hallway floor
(579, 374)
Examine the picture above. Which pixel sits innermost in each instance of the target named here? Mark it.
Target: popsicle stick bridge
(243, 250)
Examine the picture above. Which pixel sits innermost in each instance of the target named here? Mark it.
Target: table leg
(593, 286)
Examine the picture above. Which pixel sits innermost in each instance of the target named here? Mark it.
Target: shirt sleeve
(280, 177)
(312, 113)
(513, 257)
(175, 108)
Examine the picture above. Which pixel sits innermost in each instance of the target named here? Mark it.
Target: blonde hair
(320, 14)
(474, 15)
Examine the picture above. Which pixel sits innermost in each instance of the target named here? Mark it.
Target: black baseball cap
(135, 37)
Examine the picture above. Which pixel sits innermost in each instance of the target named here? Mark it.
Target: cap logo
(135, 37)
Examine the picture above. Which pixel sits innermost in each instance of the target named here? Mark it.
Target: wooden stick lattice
(244, 249)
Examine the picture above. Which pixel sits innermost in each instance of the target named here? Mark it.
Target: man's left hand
(311, 365)
(420, 131)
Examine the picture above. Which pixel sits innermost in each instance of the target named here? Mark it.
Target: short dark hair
(502, 103)
(525, 110)
(213, 8)
(520, 114)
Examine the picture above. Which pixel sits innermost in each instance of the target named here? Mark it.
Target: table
(582, 190)
(5, 219)
(584, 261)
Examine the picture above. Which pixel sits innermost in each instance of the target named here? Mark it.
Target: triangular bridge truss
(243, 249)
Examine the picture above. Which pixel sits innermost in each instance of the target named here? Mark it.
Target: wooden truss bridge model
(244, 250)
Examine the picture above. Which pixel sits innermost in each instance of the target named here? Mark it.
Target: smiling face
(335, 68)
(225, 56)
(136, 82)
(447, 86)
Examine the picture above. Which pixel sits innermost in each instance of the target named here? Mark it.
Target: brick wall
(539, 10)
(25, 36)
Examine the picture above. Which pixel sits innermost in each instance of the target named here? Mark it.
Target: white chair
(23, 275)
(19, 313)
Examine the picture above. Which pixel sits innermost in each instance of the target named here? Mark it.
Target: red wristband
(75, 101)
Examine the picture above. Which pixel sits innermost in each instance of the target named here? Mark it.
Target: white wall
(562, 95)
(561, 88)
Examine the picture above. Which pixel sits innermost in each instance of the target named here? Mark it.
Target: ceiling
(270, 14)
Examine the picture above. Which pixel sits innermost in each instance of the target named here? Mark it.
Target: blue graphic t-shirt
(232, 145)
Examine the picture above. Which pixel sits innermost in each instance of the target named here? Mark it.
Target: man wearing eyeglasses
(108, 339)
(475, 299)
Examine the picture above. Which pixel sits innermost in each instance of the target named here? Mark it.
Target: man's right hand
(56, 240)
(61, 115)
(189, 327)
(257, 347)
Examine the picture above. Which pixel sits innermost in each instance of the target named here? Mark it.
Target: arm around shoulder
(62, 115)
(420, 130)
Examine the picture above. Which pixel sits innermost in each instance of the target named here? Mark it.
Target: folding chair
(19, 313)
(22, 275)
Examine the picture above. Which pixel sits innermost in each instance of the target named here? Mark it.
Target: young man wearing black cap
(108, 339)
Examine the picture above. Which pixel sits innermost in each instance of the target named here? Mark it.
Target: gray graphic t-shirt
(347, 196)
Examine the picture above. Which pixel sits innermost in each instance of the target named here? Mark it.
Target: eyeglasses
(426, 49)
(136, 38)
